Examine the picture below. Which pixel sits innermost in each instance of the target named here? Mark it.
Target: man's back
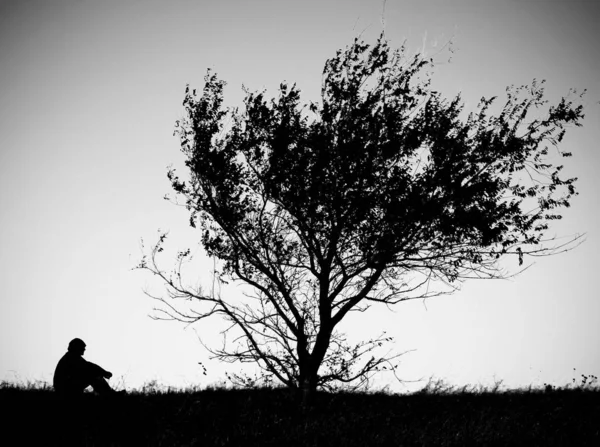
(69, 373)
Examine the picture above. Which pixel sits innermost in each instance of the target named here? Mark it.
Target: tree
(369, 197)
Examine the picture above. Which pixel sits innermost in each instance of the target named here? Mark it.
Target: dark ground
(270, 417)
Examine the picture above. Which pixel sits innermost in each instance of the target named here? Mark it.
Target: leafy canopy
(364, 197)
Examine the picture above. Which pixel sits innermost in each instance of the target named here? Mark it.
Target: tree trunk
(310, 364)
(307, 384)
(308, 390)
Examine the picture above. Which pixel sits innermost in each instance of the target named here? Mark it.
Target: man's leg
(101, 386)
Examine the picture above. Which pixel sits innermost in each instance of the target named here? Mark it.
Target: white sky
(90, 92)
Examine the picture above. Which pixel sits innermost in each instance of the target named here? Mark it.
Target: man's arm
(95, 370)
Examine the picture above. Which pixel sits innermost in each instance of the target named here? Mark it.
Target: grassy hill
(32, 415)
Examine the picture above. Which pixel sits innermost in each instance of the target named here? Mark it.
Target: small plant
(152, 387)
(437, 386)
(31, 385)
(586, 382)
(242, 380)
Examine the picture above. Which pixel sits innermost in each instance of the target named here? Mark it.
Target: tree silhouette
(380, 193)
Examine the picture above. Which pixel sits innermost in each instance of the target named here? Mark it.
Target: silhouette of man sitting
(74, 374)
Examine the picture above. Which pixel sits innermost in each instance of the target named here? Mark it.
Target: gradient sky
(90, 91)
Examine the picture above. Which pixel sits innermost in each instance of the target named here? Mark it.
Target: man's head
(77, 346)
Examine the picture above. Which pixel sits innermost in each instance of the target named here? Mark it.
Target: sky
(90, 93)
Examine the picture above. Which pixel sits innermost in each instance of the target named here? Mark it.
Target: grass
(437, 415)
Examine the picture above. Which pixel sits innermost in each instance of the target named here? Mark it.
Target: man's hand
(108, 375)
